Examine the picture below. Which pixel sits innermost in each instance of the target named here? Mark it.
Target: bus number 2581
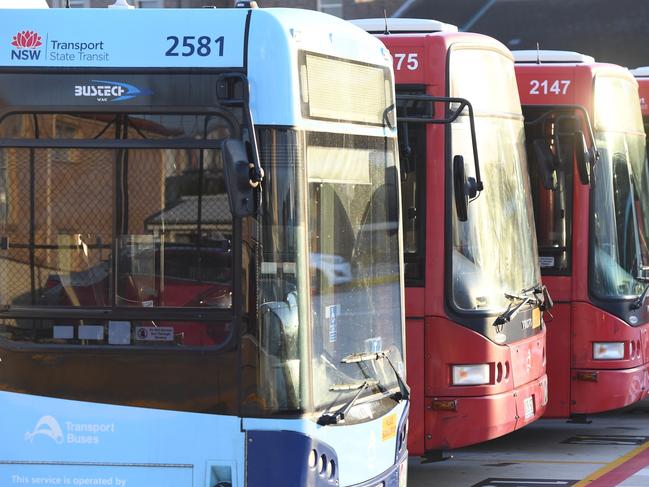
(558, 87)
(192, 45)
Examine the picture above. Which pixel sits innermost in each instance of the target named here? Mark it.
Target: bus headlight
(470, 375)
(608, 350)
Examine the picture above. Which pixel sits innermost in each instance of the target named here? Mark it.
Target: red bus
(590, 188)
(475, 336)
(642, 77)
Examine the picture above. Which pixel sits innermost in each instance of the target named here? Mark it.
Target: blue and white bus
(200, 254)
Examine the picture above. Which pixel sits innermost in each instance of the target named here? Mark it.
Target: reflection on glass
(494, 251)
(354, 262)
(114, 228)
(620, 211)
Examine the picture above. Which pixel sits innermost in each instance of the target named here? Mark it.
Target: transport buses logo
(75, 433)
(109, 91)
(46, 426)
(27, 44)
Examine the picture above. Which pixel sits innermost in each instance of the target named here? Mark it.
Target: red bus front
(475, 337)
(592, 222)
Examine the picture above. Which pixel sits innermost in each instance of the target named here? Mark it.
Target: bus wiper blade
(512, 310)
(637, 303)
(339, 415)
(367, 356)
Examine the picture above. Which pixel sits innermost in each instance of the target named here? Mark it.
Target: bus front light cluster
(608, 350)
(470, 375)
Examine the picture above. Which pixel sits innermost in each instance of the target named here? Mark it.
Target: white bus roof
(24, 4)
(546, 56)
(641, 72)
(266, 44)
(410, 26)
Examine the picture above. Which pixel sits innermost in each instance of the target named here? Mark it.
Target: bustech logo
(109, 91)
(27, 44)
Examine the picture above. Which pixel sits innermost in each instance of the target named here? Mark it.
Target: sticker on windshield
(155, 334)
(546, 261)
(332, 312)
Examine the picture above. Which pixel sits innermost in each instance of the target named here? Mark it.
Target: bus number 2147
(192, 45)
(558, 87)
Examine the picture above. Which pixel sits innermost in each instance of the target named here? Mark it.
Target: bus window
(551, 165)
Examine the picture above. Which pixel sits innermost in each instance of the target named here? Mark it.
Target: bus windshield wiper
(637, 302)
(339, 415)
(516, 303)
(404, 390)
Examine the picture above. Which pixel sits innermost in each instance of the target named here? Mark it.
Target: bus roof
(24, 4)
(546, 56)
(403, 26)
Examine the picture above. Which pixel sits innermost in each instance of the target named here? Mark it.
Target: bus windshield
(338, 270)
(620, 207)
(87, 224)
(494, 252)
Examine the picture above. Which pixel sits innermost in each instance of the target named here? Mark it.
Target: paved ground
(611, 451)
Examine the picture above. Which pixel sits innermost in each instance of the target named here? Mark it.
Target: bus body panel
(416, 362)
(503, 413)
(558, 358)
(123, 445)
(591, 324)
(502, 399)
(363, 450)
(578, 323)
(614, 389)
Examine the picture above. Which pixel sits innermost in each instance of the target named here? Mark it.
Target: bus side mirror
(236, 165)
(584, 158)
(463, 188)
(545, 163)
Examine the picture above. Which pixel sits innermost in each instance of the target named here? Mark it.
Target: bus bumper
(478, 419)
(599, 390)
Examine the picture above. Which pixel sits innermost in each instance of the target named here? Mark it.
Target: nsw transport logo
(27, 46)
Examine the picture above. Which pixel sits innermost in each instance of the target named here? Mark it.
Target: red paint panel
(591, 324)
(558, 360)
(447, 344)
(644, 342)
(479, 419)
(415, 302)
(415, 368)
(614, 389)
(528, 359)
(643, 89)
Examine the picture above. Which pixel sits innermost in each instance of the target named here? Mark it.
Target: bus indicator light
(389, 427)
(444, 405)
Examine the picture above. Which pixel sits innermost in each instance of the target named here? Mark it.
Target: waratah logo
(27, 39)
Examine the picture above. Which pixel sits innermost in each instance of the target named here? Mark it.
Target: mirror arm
(474, 142)
(463, 103)
(552, 109)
